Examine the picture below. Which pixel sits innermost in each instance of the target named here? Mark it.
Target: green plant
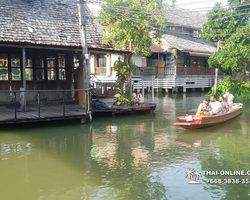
(240, 90)
(119, 98)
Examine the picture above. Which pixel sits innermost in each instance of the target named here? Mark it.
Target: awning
(199, 54)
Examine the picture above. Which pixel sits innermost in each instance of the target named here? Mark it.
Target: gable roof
(183, 17)
(186, 43)
(46, 22)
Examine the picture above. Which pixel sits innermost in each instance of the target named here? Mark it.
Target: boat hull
(204, 122)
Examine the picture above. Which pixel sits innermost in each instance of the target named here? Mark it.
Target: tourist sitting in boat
(204, 109)
(229, 98)
(134, 100)
(216, 105)
(140, 99)
(224, 105)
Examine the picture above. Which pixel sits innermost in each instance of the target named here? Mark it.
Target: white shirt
(229, 98)
(216, 106)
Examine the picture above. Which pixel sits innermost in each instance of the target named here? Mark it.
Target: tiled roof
(47, 22)
(189, 43)
(183, 17)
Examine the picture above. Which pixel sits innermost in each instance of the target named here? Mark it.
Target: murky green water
(137, 157)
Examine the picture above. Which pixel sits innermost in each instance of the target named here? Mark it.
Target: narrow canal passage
(125, 158)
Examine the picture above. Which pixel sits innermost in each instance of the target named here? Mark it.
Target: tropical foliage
(232, 26)
(120, 99)
(131, 23)
(123, 71)
(240, 90)
(136, 21)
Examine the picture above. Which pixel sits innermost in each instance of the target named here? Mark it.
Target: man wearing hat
(229, 98)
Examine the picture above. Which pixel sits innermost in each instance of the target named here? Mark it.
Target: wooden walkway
(47, 113)
(133, 109)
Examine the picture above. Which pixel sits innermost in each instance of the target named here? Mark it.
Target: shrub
(240, 90)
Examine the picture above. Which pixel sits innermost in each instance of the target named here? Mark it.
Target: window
(192, 61)
(39, 68)
(51, 65)
(172, 28)
(61, 64)
(101, 60)
(201, 62)
(180, 61)
(195, 33)
(29, 69)
(15, 67)
(4, 67)
(76, 62)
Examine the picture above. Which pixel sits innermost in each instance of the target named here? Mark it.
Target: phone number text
(228, 181)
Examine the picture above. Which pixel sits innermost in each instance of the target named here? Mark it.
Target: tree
(132, 20)
(232, 26)
(135, 23)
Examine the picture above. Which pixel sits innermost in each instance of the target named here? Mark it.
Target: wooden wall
(35, 84)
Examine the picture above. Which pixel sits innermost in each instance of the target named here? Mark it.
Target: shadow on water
(34, 125)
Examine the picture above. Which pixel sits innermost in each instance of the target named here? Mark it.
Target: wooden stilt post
(23, 94)
(82, 27)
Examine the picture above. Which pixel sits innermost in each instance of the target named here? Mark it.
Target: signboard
(147, 71)
(147, 77)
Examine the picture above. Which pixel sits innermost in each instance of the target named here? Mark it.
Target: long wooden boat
(195, 122)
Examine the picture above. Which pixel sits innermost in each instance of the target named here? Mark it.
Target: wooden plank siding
(180, 71)
(177, 82)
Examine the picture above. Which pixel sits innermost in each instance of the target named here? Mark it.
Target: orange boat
(195, 122)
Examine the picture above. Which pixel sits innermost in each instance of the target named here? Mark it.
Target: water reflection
(135, 157)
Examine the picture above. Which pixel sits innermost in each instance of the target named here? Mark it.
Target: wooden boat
(195, 122)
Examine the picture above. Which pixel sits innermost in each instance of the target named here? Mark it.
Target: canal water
(126, 158)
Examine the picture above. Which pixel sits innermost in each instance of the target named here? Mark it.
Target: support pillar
(193, 89)
(143, 90)
(203, 89)
(184, 89)
(166, 90)
(80, 83)
(152, 89)
(108, 65)
(174, 89)
(23, 94)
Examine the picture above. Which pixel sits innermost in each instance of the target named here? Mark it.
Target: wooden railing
(19, 98)
(195, 71)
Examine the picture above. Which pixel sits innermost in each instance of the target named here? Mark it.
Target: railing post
(88, 100)
(15, 105)
(38, 103)
(86, 104)
(63, 104)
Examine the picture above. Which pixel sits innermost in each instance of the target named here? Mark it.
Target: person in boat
(224, 105)
(204, 109)
(140, 99)
(134, 99)
(216, 105)
(229, 98)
